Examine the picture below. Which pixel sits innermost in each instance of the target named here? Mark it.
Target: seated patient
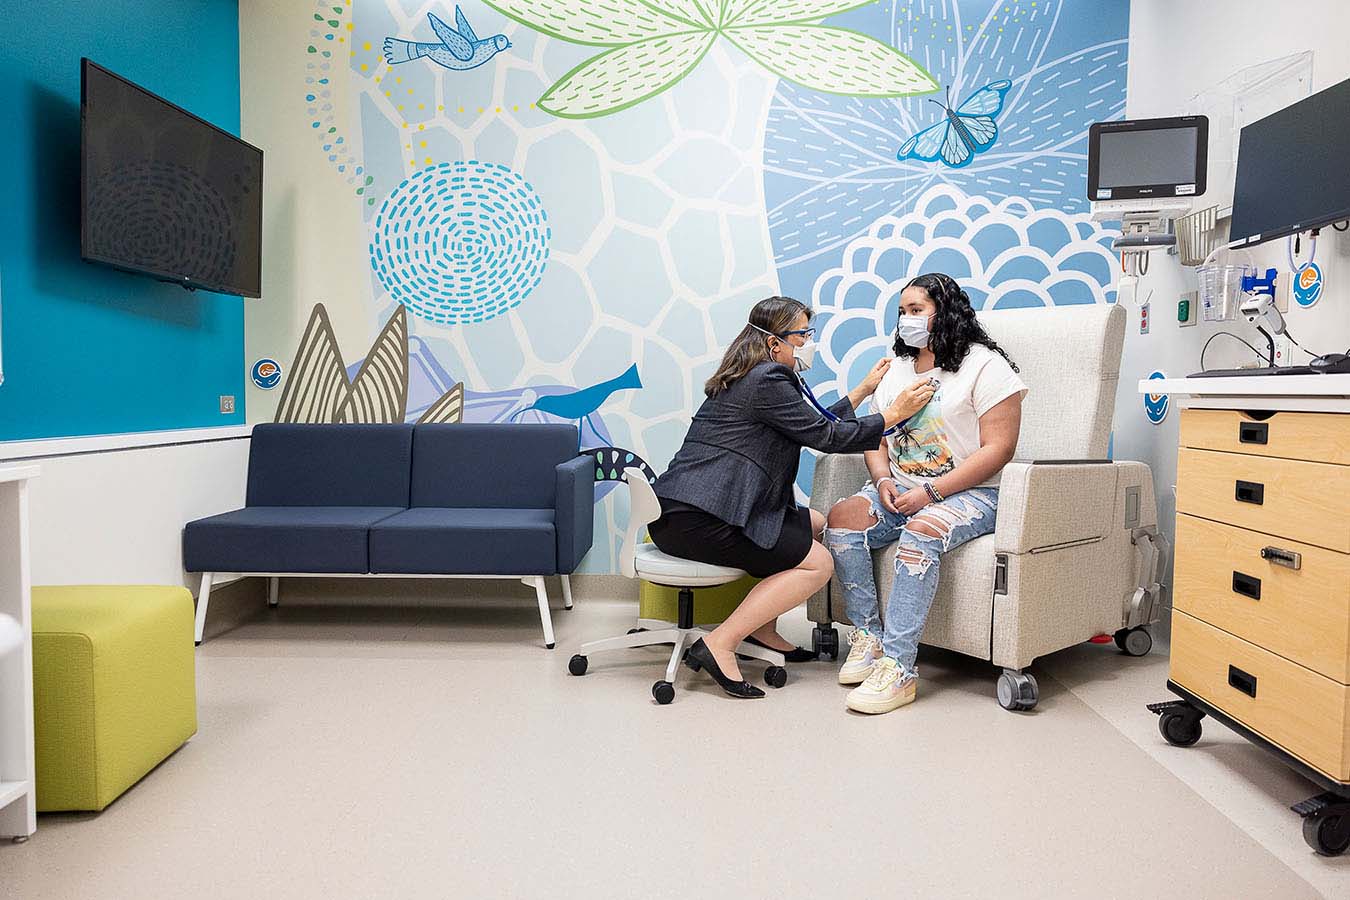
(934, 484)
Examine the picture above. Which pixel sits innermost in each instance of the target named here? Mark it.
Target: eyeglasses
(808, 333)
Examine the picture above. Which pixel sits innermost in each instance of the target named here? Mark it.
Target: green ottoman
(114, 688)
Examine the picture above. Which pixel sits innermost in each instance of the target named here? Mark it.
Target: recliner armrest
(1045, 504)
(574, 518)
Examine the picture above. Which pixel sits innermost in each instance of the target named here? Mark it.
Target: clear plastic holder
(1220, 284)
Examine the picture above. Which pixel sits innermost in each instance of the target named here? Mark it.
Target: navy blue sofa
(445, 501)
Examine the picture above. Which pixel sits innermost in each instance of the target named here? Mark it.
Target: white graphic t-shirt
(939, 437)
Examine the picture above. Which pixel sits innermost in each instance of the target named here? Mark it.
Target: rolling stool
(644, 561)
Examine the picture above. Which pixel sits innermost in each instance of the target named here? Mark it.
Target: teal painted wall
(89, 350)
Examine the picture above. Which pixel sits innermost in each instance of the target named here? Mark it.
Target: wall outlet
(1143, 318)
(1284, 350)
(1188, 309)
(226, 404)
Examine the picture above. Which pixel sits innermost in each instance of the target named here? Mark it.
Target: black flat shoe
(795, 655)
(700, 657)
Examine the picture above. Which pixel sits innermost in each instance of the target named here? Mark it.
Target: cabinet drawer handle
(1290, 559)
(1247, 586)
(1253, 432)
(1242, 681)
(1250, 492)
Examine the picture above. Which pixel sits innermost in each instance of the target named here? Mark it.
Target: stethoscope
(831, 417)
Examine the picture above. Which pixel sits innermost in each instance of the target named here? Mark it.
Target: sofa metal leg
(203, 598)
(273, 592)
(567, 591)
(545, 617)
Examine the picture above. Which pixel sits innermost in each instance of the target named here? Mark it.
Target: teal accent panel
(88, 349)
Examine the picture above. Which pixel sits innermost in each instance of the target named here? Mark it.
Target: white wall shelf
(18, 803)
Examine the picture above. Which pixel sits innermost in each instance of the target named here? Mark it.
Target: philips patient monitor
(1147, 159)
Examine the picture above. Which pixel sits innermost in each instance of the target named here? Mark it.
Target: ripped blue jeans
(957, 519)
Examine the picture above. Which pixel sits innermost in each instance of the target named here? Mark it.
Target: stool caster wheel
(825, 640)
(775, 676)
(1179, 729)
(577, 665)
(1017, 690)
(1134, 641)
(663, 692)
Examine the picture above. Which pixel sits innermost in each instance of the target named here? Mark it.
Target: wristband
(886, 478)
(932, 492)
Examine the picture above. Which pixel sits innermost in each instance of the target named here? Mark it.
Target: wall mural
(595, 188)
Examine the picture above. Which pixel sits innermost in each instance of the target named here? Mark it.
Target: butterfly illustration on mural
(963, 132)
(456, 48)
(831, 163)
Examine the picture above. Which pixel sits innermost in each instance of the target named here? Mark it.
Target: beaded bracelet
(932, 492)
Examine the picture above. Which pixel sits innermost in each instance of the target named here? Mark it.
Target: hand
(911, 501)
(869, 384)
(889, 494)
(910, 400)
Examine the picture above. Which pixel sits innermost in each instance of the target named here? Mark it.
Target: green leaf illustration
(605, 23)
(832, 60)
(620, 78)
(698, 13)
(782, 12)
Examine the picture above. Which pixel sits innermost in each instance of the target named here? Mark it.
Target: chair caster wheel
(663, 692)
(636, 630)
(1017, 691)
(775, 676)
(577, 665)
(549, 646)
(825, 640)
(1134, 641)
(1180, 729)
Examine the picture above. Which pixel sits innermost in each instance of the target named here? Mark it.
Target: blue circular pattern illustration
(266, 374)
(1308, 283)
(461, 242)
(1156, 405)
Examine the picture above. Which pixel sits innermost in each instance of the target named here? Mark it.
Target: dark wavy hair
(751, 347)
(954, 326)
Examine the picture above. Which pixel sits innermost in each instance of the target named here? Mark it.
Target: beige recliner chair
(1075, 552)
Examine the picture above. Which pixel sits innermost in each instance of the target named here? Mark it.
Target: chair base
(681, 635)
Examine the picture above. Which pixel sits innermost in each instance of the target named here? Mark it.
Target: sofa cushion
(283, 539)
(439, 541)
(329, 465)
(489, 466)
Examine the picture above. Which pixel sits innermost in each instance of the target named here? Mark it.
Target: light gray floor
(350, 751)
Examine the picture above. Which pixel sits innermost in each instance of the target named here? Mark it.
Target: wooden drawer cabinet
(1303, 712)
(1246, 583)
(1296, 499)
(1318, 437)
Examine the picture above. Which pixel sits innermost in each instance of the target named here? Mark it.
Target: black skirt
(690, 533)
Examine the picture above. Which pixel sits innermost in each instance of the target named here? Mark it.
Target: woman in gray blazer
(727, 497)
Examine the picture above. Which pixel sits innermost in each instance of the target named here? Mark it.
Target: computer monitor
(1141, 159)
(1291, 169)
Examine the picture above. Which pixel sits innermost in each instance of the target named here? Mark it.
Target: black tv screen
(1291, 170)
(165, 193)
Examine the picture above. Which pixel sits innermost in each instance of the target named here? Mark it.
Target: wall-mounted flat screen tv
(165, 193)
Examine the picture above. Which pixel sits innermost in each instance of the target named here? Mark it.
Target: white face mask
(913, 330)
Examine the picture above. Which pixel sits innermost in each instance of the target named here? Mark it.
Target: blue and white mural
(559, 245)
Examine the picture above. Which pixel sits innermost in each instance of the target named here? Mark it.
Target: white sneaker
(888, 687)
(865, 651)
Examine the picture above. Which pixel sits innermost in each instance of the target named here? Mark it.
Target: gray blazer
(739, 460)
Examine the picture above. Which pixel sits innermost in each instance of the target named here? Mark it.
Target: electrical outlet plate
(1284, 287)
(1284, 350)
(1192, 298)
(226, 404)
(1143, 318)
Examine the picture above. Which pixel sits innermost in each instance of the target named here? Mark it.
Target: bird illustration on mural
(458, 47)
(579, 405)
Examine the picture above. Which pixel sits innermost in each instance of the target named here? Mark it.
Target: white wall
(1178, 50)
(117, 516)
